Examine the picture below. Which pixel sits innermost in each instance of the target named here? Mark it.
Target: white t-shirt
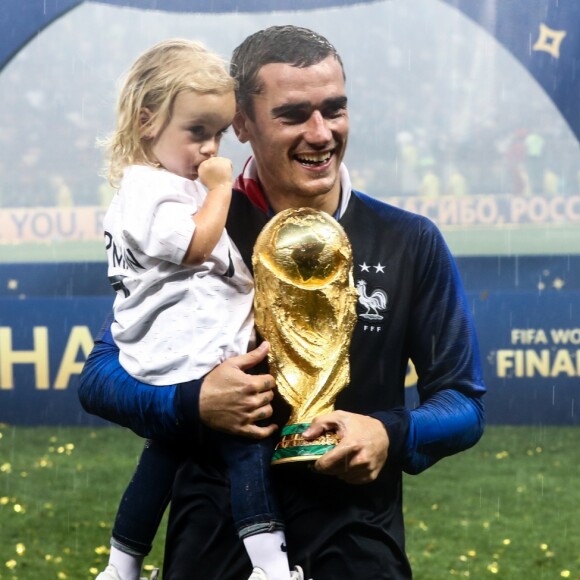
(173, 323)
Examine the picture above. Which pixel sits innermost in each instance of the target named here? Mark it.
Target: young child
(184, 295)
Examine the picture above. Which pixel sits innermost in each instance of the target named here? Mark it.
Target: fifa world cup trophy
(305, 306)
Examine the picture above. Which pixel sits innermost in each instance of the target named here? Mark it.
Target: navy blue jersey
(411, 306)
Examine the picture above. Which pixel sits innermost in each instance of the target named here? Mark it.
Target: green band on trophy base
(296, 428)
(293, 447)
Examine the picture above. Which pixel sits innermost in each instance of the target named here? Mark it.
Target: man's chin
(321, 187)
(316, 197)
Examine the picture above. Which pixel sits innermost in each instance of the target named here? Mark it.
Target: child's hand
(216, 171)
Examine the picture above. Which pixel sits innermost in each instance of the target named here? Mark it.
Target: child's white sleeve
(159, 225)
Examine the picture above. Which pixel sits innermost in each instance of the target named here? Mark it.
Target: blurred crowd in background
(444, 112)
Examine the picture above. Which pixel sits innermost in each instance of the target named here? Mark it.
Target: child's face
(193, 134)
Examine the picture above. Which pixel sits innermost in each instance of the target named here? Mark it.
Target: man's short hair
(293, 45)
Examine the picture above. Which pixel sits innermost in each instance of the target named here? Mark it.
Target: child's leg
(254, 506)
(142, 506)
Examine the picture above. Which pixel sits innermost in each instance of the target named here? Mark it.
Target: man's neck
(328, 202)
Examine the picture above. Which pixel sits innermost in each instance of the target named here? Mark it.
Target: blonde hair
(153, 83)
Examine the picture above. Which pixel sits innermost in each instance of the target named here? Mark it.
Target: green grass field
(507, 508)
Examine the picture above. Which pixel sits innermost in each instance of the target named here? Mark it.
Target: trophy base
(293, 447)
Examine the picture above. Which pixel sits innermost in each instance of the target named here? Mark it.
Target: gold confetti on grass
(66, 449)
(44, 462)
(493, 567)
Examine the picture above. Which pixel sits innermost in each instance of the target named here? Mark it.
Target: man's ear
(240, 126)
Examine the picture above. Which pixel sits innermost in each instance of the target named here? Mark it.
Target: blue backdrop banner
(526, 312)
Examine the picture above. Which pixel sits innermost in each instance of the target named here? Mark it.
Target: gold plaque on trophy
(305, 307)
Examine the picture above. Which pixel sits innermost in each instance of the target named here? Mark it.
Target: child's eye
(198, 131)
(201, 133)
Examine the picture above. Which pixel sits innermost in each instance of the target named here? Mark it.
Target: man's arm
(227, 399)
(445, 424)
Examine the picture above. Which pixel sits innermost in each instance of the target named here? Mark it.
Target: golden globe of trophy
(305, 308)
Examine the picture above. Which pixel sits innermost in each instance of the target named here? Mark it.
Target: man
(344, 514)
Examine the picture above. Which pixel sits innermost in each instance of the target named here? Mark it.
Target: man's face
(299, 134)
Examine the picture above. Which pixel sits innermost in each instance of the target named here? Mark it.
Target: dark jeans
(146, 497)
(254, 507)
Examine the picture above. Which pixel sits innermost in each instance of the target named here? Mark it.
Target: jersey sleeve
(443, 343)
(445, 424)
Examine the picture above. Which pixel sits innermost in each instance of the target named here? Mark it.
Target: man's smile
(314, 159)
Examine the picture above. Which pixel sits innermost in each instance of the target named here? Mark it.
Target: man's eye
(296, 119)
(334, 112)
